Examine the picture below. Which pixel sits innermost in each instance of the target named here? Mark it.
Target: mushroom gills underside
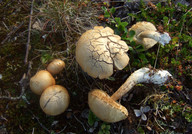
(105, 108)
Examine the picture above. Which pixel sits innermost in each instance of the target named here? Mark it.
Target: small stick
(28, 46)
(12, 32)
(23, 84)
(156, 57)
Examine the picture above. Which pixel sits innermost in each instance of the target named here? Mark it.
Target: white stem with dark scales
(162, 38)
(143, 75)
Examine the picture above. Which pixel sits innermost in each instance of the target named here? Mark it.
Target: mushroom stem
(161, 38)
(143, 75)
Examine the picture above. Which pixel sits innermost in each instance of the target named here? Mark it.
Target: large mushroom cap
(56, 66)
(99, 51)
(141, 27)
(40, 81)
(54, 100)
(105, 108)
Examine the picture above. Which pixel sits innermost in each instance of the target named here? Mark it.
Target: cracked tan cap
(99, 51)
(54, 100)
(141, 27)
(105, 108)
(56, 66)
(40, 81)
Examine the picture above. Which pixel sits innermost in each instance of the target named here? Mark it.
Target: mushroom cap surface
(105, 108)
(56, 66)
(140, 27)
(54, 100)
(40, 81)
(99, 51)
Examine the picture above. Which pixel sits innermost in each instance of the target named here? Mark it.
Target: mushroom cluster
(99, 51)
(54, 99)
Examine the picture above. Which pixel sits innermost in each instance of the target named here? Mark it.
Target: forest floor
(33, 33)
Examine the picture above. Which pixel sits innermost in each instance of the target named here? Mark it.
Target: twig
(12, 32)
(46, 129)
(80, 122)
(157, 56)
(33, 131)
(61, 130)
(23, 84)
(28, 46)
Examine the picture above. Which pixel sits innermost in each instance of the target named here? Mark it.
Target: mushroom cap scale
(56, 66)
(54, 100)
(105, 108)
(99, 51)
(40, 81)
(140, 27)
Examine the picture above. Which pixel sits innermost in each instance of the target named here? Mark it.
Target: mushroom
(99, 51)
(107, 109)
(146, 34)
(54, 100)
(56, 66)
(40, 81)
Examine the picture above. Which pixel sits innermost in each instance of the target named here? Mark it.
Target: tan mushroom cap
(99, 51)
(40, 81)
(105, 108)
(56, 66)
(141, 27)
(54, 100)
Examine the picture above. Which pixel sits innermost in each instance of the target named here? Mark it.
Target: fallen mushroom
(107, 109)
(146, 34)
(143, 75)
(54, 100)
(99, 51)
(40, 81)
(56, 66)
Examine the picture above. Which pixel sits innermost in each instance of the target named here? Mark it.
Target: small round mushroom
(146, 34)
(107, 109)
(56, 66)
(54, 100)
(40, 81)
(99, 51)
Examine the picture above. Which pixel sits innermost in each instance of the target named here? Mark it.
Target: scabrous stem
(143, 75)
(162, 38)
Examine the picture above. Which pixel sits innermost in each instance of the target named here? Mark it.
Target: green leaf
(131, 33)
(107, 14)
(92, 118)
(111, 78)
(112, 10)
(118, 20)
(124, 24)
(45, 58)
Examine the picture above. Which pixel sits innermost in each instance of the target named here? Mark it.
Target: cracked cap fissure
(99, 51)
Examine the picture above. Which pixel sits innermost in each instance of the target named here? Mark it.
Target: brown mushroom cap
(56, 66)
(105, 108)
(40, 81)
(54, 100)
(99, 51)
(141, 27)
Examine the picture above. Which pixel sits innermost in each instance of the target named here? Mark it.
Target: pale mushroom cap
(105, 108)
(99, 51)
(140, 27)
(40, 81)
(56, 66)
(54, 100)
